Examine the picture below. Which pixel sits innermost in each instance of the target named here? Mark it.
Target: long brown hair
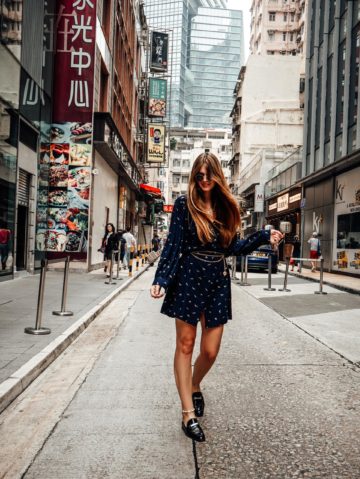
(227, 212)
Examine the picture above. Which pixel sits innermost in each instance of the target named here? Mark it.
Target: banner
(259, 199)
(66, 154)
(159, 51)
(157, 97)
(156, 143)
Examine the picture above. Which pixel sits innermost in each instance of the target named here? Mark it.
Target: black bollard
(284, 288)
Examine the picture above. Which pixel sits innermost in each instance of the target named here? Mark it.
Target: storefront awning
(150, 191)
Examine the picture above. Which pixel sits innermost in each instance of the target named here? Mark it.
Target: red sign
(168, 208)
(150, 189)
(74, 61)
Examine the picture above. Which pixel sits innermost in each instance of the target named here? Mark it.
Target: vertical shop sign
(156, 143)
(259, 199)
(159, 51)
(65, 159)
(157, 97)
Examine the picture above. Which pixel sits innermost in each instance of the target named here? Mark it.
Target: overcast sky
(243, 5)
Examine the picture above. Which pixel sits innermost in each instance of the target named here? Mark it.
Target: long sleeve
(240, 247)
(170, 256)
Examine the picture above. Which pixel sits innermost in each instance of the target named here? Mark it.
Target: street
(282, 400)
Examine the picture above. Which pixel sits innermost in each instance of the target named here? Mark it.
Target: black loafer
(193, 430)
(199, 404)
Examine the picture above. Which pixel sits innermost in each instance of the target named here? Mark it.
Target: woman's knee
(185, 343)
(210, 353)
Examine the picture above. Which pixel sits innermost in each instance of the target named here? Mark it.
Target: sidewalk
(338, 281)
(24, 356)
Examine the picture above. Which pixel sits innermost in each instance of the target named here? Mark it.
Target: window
(270, 52)
(271, 35)
(284, 36)
(285, 17)
(293, 17)
(291, 37)
(272, 16)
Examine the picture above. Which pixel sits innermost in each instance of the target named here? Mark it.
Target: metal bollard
(63, 311)
(38, 328)
(285, 288)
(131, 260)
(110, 281)
(321, 278)
(245, 282)
(269, 288)
(233, 267)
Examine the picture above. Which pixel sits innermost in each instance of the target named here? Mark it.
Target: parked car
(258, 260)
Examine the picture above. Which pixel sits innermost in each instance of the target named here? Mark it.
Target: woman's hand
(275, 237)
(156, 291)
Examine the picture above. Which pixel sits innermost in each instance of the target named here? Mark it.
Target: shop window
(348, 229)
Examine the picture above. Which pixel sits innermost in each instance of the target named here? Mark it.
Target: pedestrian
(108, 245)
(5, 238)
(155, 242)
(194, 273)
(130, 241)
(315, 250)
(122, 246)
(295, 253)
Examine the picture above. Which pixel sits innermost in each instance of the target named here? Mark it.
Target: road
(280, 402)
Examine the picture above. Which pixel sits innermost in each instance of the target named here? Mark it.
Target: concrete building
(267, 127)
(278, 27)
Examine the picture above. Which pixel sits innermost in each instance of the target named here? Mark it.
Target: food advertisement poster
(157, 97)
(159, 51)
(65, 158)
(347, 222)
(156, 143)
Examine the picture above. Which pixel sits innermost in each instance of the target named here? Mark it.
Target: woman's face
(204, 180)
(109, 228)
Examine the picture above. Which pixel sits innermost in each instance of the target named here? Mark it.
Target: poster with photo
(156, 143)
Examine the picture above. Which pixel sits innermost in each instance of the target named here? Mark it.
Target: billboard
(159, 51)
(346, 251)
(156, 143)
(157, 97)
(64, 177)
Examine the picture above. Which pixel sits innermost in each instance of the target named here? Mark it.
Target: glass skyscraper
(216, 55)
(205, 56)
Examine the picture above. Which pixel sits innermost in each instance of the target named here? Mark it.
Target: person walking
(5, 238)
(295, 253)
(155, 242)
(109, 244)
(315, 250)
(130, 241)
(122, 247)
(194, 273)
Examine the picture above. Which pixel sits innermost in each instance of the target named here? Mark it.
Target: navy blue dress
(195, 285)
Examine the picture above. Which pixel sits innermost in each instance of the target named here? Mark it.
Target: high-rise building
(278, 27)
(205, 54)
(216, 53)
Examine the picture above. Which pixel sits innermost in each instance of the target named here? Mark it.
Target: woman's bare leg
(185, 340)
(209, 348)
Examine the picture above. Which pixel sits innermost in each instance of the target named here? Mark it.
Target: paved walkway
(280, 404)
(18, 302)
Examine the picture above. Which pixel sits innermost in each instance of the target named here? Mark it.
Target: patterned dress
(198, 284)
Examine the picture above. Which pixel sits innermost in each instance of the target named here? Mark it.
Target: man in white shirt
(130, 241)
(314, 243)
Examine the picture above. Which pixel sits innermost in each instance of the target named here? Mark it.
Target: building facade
(278, 27)
(216, 53)
(71, 152)
(331, 173)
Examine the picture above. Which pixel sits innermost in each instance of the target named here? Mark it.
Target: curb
(347, 289)
(25, 375)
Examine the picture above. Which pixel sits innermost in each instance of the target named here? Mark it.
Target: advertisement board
(159, 51)
(156, 143)
(346, 251)
(66, 154)
(157, 97)
(259, 199)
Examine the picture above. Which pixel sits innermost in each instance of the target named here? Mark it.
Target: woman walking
(109, 244)
(194, 273)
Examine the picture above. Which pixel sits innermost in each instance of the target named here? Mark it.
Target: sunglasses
(201, 176)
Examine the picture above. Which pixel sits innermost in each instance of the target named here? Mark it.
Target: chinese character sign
(66, 154)
(156, 143)
(74, 60)
(159, 51)
(157, 97)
